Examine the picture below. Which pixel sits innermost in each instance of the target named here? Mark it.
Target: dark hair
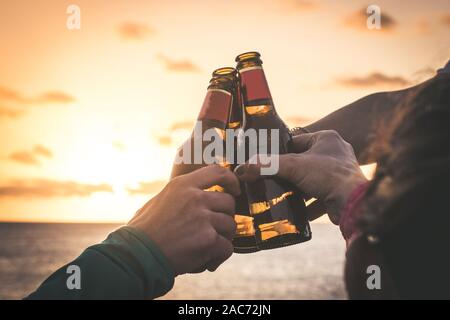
(407, 204)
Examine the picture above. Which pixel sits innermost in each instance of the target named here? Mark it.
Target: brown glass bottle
(244, 240)
(213, 115)
(277, 207)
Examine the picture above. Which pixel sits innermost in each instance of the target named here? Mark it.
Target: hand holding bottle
(192, 227)
(324, 166)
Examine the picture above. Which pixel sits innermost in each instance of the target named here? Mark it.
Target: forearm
(127, 265)
(359, 122)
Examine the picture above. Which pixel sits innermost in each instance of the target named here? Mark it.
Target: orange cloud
(10, 113)
(375, 79)
(445, 20)
(300, 5)
(424, 27)
(178, 65)
(43, 151)
(134, 31)
(423, 74)
(31, 157)
(298, 121)
(54, 97)
(168, 138)
(165, 140)
(10, 95)
(24, 157)
(182, 125)
(45, 188)
(358, 21)
(147, 188)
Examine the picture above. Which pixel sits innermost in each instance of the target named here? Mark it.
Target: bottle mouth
(247, 56)
(224, 71)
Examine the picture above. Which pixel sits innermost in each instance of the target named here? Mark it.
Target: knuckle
(228, 250)
(331, 134)
(195, 197)
(221, 172)
(209, 237)
(348, 146)
(198, 196)
(228, 200)
(203, 216)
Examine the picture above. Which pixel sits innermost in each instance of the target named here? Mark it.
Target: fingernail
(239, 170)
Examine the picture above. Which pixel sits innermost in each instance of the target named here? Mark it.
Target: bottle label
(260, 207)
(216, 105)
(277, 228)
(254, 84)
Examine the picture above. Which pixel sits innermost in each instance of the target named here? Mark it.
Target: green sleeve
(127, 265)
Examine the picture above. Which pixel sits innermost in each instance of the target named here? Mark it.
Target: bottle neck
(235, 118)
(257, 99)
(216, 108)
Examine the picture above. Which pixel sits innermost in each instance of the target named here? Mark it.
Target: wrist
(350, 185)
(350, 212)
(343, 192)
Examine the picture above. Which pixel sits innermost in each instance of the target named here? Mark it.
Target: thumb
(288, 165)
(248, 172)
(303, 142)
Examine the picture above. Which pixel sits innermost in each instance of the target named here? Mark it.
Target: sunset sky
(90, 119)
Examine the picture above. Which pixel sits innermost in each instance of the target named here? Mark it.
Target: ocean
(30, 252)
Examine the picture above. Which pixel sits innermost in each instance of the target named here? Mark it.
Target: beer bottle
(213, 115)
(277, 207)
(244, 240)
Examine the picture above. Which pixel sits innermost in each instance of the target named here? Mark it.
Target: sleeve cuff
(351, 212)
(140, 254)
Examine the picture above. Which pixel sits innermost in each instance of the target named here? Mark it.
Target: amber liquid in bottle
(277, 207)
(244, 240)
(213, 115)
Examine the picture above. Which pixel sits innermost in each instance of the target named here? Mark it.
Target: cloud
(43, 151)
(298, 121)
(445, 20)
(299, 5)
(176, 131)
(178, 65)
(10, 95)
(54, 97)
(375, 79)
(24, 157)
(10, 113)
(147, 188)
(165, 140)
(31, 157)
(423, 74)
(134, 31)
(182, 125)
(423, 27)
(358, 21)
(45, 188)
